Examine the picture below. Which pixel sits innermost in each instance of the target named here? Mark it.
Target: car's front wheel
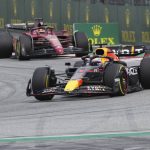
(23, 47)
(81, 41)
(43, 77)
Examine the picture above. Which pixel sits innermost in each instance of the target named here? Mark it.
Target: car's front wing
(51, 51)
(83, 90)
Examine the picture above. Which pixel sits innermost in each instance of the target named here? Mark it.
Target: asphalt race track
(68, 123)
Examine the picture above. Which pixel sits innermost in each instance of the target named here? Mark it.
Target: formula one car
(103, 72)
(27, 40)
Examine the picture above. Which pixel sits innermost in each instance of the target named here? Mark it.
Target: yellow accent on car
(132, 50)
(71, 85)
(123, 93)
(103, 60)
(47, 81)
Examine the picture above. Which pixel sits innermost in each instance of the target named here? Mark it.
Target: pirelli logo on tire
(1, 22)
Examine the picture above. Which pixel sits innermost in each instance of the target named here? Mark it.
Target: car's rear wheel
(145, 73)
(6, 45)
(43, 77)
(23, 47)
(115, 77)
(81, 41)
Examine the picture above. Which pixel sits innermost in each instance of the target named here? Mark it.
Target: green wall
(134, 21)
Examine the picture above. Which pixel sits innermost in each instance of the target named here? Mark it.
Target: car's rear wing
(20, 26)
(127, 50)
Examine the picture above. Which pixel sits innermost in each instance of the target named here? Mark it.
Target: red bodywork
(58, 41)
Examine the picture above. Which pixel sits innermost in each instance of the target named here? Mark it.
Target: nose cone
(72, 85)
(59, 50)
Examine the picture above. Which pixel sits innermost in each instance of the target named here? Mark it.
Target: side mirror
(67, 64)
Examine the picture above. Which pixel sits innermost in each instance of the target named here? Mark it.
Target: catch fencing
(132, 16)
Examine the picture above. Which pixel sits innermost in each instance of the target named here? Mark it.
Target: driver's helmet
(41, 30)
(96, 62)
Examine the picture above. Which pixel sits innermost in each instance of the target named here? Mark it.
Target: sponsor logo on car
(95, 88)
(132, 71)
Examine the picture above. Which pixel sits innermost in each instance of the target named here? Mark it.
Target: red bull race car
(28, 40)
(95, 74)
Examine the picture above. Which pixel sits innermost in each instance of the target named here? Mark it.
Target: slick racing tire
(42, 78)
(145, 72)
(6, 45)
(122, 63)
(23, 47)
(115, 77)
(81, 41)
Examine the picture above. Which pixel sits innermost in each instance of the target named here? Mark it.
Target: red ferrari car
(37, 39)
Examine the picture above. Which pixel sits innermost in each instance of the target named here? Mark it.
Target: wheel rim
(123, 83)
(18, 46)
